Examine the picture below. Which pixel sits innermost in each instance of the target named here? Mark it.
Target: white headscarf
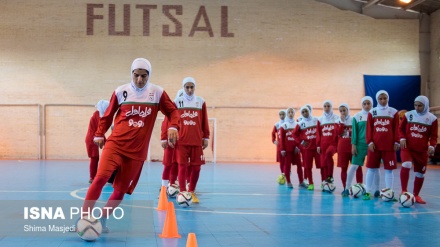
(102, 106)
(348, 111)
(180, 93)
(290, 120)
(310, 108)
(362, 102)
(285, 115)
(425, 101)
(307, 109)
(140, 63)
(377, 99)
(329, 115)
(184, 82)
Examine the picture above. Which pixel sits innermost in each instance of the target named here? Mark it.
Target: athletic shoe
(420, 200)
(306, 181)
(366, 197)
(345, 193)
(302, 185)
(311, 187)
(194, 198)
(289, 185)
(377, 194)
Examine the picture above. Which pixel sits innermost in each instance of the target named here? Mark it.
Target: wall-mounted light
(406, 1)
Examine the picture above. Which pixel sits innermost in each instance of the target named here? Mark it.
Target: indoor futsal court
(237, 208)
(147, 90)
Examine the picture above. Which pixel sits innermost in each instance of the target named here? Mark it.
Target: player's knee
(100, 179)
(407, 164)
(419, 175)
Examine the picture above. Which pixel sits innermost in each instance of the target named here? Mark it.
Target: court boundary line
(74, 194)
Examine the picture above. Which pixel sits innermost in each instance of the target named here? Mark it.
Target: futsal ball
(184, 199)
(281, 179)
(387, 194)
(362, 187)
(89, 229)
(402, 114)
(356, 191)
(172, 190)
(328, 187)
(407, 199)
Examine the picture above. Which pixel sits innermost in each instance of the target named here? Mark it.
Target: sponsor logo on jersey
(327, 134)
(189, 114)
(381, 129)
(133, 123)
(139, 112)
(418, 128)
(151, 96)
(416, 135)
(311, 131)
(326, 130)
(382, 122)
(190, 122)
(311, 137)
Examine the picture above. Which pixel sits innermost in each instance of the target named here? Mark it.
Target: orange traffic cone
(192, 240)
(170, 226)
(163, 200)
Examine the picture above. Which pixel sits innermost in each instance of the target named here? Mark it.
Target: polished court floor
(241, 205)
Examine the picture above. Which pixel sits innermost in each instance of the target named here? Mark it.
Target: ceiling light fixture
(406, 1)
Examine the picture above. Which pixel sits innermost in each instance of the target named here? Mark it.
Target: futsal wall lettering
(173, 28)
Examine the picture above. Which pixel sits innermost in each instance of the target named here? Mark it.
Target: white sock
(377, 179)
(104, 221)
(389, 178)
(350, 175)
(370, 178)
(165, 183)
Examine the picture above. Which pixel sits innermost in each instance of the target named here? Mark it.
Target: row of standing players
(373, 133)
(182, 164)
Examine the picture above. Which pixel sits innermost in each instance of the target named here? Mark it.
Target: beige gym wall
(434, 84)
(259, 57)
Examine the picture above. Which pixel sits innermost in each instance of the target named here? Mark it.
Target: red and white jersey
(306, 130)
(93, 125)
(382, 128)
(327, 131)
(288, 142)
(194, 125)
(136, 112)
(277, 129)
(275, 134)
(419, 131)
(344, 135)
